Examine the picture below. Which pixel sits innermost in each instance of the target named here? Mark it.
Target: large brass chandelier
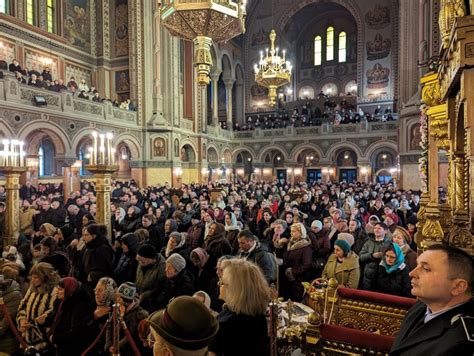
(203, 22)
(273, 70)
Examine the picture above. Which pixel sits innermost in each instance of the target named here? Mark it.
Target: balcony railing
(11, 91)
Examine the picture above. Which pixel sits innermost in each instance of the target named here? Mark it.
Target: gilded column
(103, 186)
(12, 217)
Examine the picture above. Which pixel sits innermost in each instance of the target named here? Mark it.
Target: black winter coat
(182, 284)
(396, 283)
(97, 261)
(71, 334)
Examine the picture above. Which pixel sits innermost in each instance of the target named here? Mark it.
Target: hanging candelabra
(203, 22)
(273, 70)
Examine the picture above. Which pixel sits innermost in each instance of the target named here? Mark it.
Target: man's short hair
(247, 234)
(383, 225)
(460, 263)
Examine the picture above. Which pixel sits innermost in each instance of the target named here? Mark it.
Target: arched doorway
(124, 156)
(346, 161)
(384, 165)
(244, 165)
(308, 160)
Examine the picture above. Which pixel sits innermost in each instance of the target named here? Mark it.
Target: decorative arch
(380, 145)
(5, 130)
(334, 149)
(212, 155)
(272, 148)
(305, 146)
(188, 152)
(132, 144)
(345, 157)
(227, 70)
(35, 136)
(227, 155)
(250, 152)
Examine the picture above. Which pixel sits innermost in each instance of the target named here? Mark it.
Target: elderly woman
(36, 310)
(216, 245)
(246, 294)
(402, 238)
(176, 244)
(343, 265)
(297, 261)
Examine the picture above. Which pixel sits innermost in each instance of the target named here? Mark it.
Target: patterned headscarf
(110, 287)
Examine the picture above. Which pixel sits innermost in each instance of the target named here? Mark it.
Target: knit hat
(374, 217)
(185, 323)
(48, 228)
(343, 245)
(147, 251)
(196, 215)
(393, 217)
(127, 291)
(177, 261)
(346, 237)
(177, 236)
(317, 223)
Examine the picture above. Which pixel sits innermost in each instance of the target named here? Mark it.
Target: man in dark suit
(439, 323)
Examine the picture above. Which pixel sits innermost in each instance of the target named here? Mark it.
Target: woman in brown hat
(402, 238)
(185, 328)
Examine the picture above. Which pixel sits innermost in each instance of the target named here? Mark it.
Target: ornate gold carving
(460, 236)
(432, 230)
(449, 10)
(430, 93)
(438, 121)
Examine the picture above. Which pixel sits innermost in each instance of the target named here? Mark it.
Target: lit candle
(113, 155)
(22, 154)
(102, 149)
(4, 153)
(284, 52)
(266, 50)
(13, 160)
(109, 147)
(94, 153)
(91, 154)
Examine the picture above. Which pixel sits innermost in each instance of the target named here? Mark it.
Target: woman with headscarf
(36, 309)
(202, 271)
(176, 244)
(393, 275)
(216, 245)
(297, 262)
(117, 220)
(404, 212)
(232, 230)
(169, 227)
(104, 293)
(126, 267)
(69, 331)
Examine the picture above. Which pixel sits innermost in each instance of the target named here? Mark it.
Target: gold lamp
(273, 70)
(204, 22)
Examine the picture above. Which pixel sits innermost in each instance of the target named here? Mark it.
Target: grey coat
(371, 264)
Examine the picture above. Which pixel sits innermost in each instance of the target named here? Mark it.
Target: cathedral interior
(308, 92)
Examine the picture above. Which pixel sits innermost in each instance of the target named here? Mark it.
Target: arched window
(50, 15)
(330, 43)
(342, 46)
(46, 158)
(30, 12)
(318, 50)
(5, 6)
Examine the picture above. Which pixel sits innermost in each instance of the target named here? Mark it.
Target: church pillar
(103, 32)
(215, 98)
(239, 102)
(229, 84)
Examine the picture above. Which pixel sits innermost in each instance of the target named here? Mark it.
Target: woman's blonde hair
(246, 290)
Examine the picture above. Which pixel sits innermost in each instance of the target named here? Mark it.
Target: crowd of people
(332, 112)
(44, 80)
